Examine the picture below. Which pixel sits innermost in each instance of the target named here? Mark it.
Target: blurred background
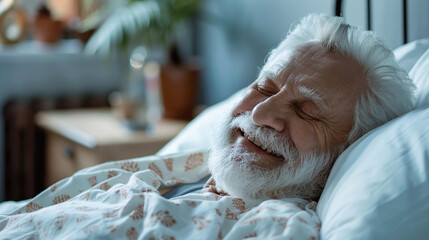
(150, 60)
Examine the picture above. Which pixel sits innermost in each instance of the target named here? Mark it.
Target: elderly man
(321, 89)
(325, 86)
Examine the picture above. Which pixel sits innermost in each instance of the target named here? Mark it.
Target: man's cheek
(305, 136)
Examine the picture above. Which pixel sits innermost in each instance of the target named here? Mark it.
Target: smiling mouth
(259, 144)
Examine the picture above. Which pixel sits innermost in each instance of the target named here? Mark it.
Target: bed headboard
(339, 12)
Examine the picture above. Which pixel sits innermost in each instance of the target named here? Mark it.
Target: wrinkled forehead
(285, 53)
(312, 65)
(277, 61)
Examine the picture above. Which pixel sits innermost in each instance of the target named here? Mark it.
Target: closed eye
(302, 114)
(264, 91)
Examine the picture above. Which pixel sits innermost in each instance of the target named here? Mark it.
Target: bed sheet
(120, 200)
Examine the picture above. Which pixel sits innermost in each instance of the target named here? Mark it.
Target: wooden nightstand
(78, 139)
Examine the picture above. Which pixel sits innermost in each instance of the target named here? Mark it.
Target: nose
(268, 114)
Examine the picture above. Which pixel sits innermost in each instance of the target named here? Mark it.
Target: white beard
(234, 170)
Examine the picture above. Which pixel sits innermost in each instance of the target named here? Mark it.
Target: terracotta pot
(47, 30)
(179, 85)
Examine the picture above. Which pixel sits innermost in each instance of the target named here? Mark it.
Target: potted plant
(154, 23)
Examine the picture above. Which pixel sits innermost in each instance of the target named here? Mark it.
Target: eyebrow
(312, 95)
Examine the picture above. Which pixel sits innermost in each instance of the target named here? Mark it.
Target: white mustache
(268, 137)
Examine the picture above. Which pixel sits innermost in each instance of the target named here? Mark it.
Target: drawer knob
(69, 151)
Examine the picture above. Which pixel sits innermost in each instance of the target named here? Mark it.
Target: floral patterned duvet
(120, 200)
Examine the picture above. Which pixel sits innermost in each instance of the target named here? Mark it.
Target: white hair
(390, 90)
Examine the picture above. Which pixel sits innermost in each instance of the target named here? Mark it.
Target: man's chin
(233, 172)
(264, 164)
(239, 173)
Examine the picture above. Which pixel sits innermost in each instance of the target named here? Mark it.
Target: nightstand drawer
(65, 157)
(76, 139)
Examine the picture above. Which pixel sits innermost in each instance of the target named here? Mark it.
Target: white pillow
(197, 134)
(379, 187)
(408, 54)
(420, 76)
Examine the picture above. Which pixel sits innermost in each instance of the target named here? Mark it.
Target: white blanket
(120, 200)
